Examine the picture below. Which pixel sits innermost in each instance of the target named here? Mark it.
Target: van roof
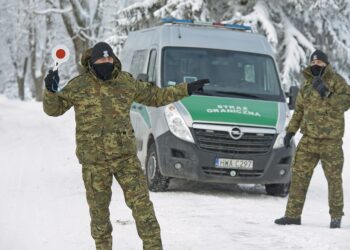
(212, 37)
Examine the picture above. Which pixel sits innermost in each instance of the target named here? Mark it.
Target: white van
(233, 130)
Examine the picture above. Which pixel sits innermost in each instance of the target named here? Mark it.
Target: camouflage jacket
(103, 126)
(321, 117)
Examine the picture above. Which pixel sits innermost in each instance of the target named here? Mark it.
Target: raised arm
(55, 103)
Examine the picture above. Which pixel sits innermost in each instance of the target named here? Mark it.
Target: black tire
(281, 190)
(155, 180)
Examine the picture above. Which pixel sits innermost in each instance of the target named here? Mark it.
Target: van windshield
(231, 73)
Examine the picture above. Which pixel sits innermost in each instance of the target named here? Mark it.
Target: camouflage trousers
(309, 152)
(98, 181)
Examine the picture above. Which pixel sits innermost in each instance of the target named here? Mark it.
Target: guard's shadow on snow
(178, 185)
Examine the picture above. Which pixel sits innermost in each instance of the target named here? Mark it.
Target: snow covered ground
(43, 205)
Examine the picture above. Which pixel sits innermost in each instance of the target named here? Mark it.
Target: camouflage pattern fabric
(106, 143)
(102, 110)
(321, 117)
(98, 181)
(309, 152)
(321, 121)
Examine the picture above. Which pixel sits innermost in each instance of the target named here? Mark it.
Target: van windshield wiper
(238, 94)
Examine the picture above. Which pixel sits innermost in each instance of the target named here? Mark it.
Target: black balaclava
(317, 70)
(102, 70)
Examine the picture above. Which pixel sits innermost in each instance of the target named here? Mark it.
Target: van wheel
(281, 190)
(155, 180)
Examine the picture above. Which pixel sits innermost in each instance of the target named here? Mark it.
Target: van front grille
(226, 172)
(221, 141)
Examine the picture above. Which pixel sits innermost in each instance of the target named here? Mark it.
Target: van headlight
(279, 143)
(177, 124)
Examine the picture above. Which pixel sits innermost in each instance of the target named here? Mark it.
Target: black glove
(51, 81)
(196, 85)
(287, 139)
(319, 85)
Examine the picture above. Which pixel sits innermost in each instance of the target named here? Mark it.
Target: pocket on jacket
(128, 142)
(89, 147)
(86, 151)
(112, 145)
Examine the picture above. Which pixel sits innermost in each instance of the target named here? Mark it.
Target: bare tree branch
(53, 11)
(80, 14)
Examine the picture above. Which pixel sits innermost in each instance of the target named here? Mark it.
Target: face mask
(316, 70)
(103, 70)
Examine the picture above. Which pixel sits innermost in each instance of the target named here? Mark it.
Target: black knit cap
(101, 50)
(319, 55)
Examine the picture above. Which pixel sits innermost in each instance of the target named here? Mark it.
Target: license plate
(234, 163)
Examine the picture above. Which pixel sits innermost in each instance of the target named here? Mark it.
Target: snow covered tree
(290, 44)
(32, 28)
(38, 46)
(326, 24)
(17, 41)
(83, 23)
(148, 13)
(27, 44)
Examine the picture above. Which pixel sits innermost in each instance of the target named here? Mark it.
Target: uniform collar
(328, 72)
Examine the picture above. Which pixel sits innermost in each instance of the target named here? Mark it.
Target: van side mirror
(142, 77)
(293, 93)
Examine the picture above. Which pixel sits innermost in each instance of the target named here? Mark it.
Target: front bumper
(199, 164)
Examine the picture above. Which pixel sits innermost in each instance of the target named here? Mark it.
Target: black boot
(335, 222)
(288, 221)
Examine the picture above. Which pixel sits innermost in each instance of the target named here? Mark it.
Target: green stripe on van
(232, 110)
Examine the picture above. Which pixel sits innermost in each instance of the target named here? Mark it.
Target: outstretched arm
(150, 95)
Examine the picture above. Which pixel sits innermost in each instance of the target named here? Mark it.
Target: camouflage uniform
(106, 144)
(321, 121)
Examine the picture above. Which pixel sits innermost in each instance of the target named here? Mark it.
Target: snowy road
(43, 203)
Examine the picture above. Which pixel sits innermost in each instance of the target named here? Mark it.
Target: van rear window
(230, 72)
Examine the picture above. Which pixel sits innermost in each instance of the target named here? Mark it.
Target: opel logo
(236, 133)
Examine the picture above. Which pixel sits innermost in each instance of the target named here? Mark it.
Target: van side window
(137, 62)
(151, 71)
(271, 77)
